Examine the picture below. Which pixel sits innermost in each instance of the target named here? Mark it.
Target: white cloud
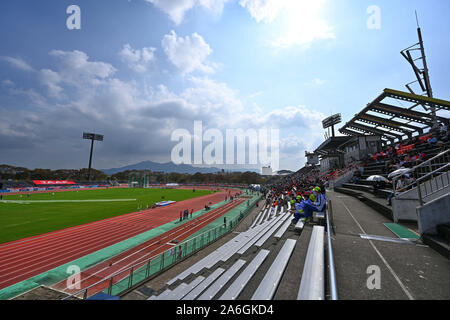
(17, 63)
(188, 54)
(287, 117)
(263, 10)
(318, 81)
(176, 9)
(51, 80)
(291, 145)
(137, 123)
(7, 83)
(254, 95)
(74, 67)
(138, 59)
(299, 22)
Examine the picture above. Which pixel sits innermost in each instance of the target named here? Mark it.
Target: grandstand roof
(394, 122)
(330, 146)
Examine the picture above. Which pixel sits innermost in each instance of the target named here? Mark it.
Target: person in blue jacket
(309, 206)
(304, 208)
(321, 201)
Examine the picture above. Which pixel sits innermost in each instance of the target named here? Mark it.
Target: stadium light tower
(421, 72)
(92, 137)
(331, 122)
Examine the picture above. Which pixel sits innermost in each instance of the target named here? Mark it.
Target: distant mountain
(169, 167)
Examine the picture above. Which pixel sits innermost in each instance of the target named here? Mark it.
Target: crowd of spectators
(300, 186)
(305, 193)
(405, 155)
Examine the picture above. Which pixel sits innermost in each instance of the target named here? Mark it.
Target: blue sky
(139, 69)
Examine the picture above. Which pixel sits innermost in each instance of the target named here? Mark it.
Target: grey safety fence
(125, 279)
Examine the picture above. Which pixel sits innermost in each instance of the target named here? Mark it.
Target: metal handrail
(85, 290)
(414, 169)
(332, 271)
(432, 173)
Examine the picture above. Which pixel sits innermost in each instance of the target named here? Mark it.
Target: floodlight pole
(92, 137)
(426, 76)
(90, 159)
(424, 83)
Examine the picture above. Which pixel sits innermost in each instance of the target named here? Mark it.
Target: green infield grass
(28, 218)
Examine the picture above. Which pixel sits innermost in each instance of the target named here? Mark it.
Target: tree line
(20, 173)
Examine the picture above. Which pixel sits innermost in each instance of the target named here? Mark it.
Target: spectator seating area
(229, 272)
(17, 186)
(403, 155)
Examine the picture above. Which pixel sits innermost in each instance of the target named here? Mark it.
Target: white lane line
(213, 216)
(405, 290)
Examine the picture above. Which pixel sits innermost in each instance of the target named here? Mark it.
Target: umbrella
(377, 178)
(399, 172)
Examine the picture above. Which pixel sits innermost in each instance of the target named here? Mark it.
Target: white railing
(435, 167)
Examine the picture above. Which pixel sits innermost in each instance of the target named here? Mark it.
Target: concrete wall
(434, 213)
(341, 180)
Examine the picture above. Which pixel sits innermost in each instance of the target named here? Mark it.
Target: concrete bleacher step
(178, 292)
(191, 286)
(371, 200)
(269, 233)
(203, 285)
(380, 193)
(265, 216)
(257, 218)
(438, 243)
(222, 281)
(262, 232)
(443, 231)
(216, 256)
(249, 237)
(162, 296)
(367, 182)
(359, 187)
(239, 245)
(269, 284)
(283, 228)
(299, 225)
(312, 286)
(238, 285)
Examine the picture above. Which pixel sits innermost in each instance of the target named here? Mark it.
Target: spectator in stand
(443, 132)
(321, 201)
(408, 161)
(432, 141)
(400, 187)
(303, 209)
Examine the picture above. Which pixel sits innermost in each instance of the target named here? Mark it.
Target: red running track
(25, 258)
(141, 254)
